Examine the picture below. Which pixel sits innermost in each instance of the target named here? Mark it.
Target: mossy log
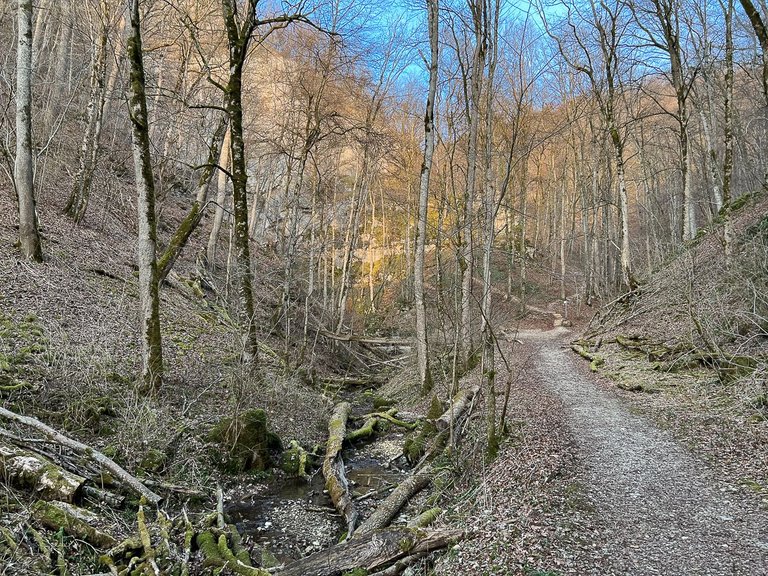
(333, 467)
(595, 361)
(76, 522)
(653, 351)
(458, 410)
(390, 416)
(729, 367)
(371, 551)
(27, 470)
(425, 518)
(365, 431)
(373, 423)
(218, 554)
(398, 498)
(107, 463)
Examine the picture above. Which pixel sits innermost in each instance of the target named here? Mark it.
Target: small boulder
(244, 442)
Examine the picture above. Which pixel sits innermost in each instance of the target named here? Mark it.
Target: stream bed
(294, 517)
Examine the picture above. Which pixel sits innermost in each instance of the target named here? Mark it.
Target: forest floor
(588, 485)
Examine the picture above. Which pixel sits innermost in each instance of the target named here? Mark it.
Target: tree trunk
(149, 300)
(372, 551)
(89, 149)
(333, 467)
(489, 235)
(29, 237)
(180, 238)
(728, 127)
(221, 201)
(422, 346)
(388, 509)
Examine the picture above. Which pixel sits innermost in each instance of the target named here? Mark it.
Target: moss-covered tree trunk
(333, 467)
(195, 215)
(149, 301)
(238, 38)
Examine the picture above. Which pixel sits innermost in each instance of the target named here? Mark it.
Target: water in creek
(296, 517)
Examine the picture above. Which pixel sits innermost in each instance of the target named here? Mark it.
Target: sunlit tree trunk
(221, 202)
(149, 300)
(477, 8)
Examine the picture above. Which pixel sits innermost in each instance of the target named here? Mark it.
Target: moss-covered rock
(295, 460)
(243, 442)
(154, 460)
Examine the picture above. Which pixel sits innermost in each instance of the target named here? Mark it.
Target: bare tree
(29, 237)
(591, 43)
(664, 29)
(89, 149)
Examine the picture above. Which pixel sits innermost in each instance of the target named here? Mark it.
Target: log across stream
(296, 517)
(343, 515)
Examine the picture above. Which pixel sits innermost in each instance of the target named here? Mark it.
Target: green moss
(356, 572)
(415, 446)
(154, 460)
(295, 460)
(23, 350)
(59, 516)
(268, 559)
(436, 409)
(243, 442)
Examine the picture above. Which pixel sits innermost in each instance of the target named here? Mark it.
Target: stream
(295, 517)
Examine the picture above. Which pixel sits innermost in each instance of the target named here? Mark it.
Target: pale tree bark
(149, 297)
(180, 238)
(667, 15)
(89, 149)
(221, 201)
(422, 344)
(604, 75)
(757, 21)
(477, 9)
(29, 237)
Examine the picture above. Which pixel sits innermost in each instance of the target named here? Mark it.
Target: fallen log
(595, 361)
(75, 521)
(391, 505)
(333, 467)
(390, 416)
(107, 463)
(425, 518)
(371, 551)
(372, 422)
(458, 409)
(25, 469)
(365, 340)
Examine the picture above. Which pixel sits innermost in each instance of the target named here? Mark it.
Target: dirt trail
(663, 510)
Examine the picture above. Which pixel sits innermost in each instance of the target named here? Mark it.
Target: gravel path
(663, 510)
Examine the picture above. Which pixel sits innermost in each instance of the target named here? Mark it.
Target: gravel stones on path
(663, 511)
